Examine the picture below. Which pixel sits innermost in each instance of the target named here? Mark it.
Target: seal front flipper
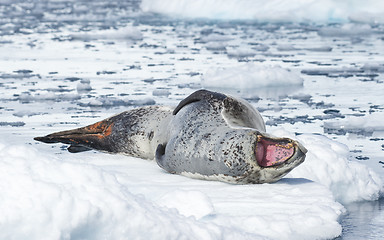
(160, 151)
(198, 96)
(160, 158)
(239, 113)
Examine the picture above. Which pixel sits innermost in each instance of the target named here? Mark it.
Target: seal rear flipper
(95, 136)
(77, 149)
(198, 96)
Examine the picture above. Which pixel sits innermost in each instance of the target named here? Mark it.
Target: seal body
(208, 135)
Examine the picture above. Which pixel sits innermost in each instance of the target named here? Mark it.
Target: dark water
(364, 220)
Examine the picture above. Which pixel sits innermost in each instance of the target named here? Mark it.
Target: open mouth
(271, 152)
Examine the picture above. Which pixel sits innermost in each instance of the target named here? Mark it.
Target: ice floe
(161, 92)
(124, 33)
(109, 196)
(250, 76)
(49, 196)
(113, 102)
(328, 163)
(84, 86)
(50, 96)
(346, 30)
(271, 11)
(362, 125)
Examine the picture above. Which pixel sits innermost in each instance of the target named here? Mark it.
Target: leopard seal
(209, 135)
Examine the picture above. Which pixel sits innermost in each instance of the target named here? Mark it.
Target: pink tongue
(270, 153)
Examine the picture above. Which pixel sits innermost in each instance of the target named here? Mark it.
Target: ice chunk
(28, 97)
(370, 11)
(327, 162)
(25, 113)
(374, 67)
(287, 47)
(123, 33)
(319, 49)
(259, 47)
(12, 124)
(241, 53)
(215, 38)
(369, 17)
(19, 74)
(216, 46)
(161, 92)
(302, 97)
(114, 102)
(84, 86)
(346, 30)
(333, 71)
(144, 101)
(249, 76)
(355, 125)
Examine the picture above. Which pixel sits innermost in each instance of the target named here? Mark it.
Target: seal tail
(95, 136)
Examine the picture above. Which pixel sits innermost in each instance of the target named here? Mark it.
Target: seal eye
(271, 152)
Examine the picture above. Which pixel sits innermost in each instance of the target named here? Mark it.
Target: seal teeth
(270, 152)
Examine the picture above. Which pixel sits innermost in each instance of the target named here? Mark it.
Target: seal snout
(271, 152)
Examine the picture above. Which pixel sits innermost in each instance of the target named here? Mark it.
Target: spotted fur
(214, 137)
(208, 135)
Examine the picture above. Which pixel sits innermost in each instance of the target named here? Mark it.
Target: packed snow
(95, 195)
(84, 196)
(328, 163)
(313, 69)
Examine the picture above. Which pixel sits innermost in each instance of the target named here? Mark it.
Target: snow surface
(370, 11)
(124, 197)
(85, 196)
(328, 163)
(98, 196)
